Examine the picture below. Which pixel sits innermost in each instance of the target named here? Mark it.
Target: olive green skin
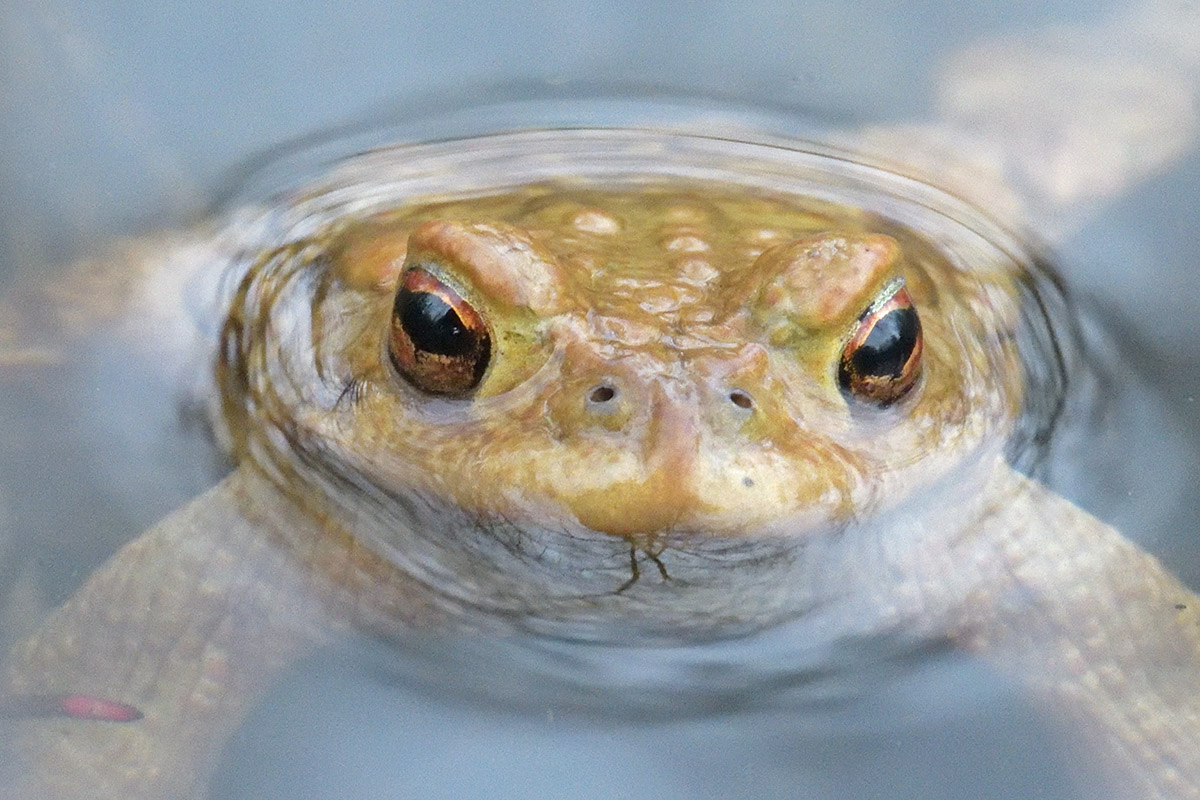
(682, 297)
(675, 511)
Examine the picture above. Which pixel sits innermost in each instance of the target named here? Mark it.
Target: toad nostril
(602, 394)
(741, 399)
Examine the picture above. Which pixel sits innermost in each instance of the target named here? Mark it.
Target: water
(916, 727)
(529, 718)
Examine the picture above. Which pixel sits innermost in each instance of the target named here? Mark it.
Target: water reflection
(308, 316)
(446, 718)
(816, 634)
(784, 712)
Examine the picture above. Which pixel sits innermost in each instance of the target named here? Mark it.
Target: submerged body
(680, 408)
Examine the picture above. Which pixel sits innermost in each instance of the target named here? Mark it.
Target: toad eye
(882, 360)
(439, 342)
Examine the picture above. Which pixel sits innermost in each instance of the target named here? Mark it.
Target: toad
(687, 408)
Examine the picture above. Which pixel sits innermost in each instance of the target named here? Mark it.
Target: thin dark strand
(634, 571)
(662, 568)
(352, 389)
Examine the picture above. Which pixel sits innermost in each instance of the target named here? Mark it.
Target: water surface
(92, 456)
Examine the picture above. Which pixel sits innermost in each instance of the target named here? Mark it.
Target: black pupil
(432, 324)
(888, 345)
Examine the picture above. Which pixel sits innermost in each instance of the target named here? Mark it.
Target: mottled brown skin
(717, 316)
(674, 299)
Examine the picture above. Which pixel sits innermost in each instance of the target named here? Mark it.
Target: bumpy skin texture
(1091, 607)
(717, 315)
(187, 625)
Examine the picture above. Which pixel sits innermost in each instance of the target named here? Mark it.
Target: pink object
(81, 706)
(76, 706)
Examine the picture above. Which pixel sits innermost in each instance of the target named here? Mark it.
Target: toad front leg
(187, 625)
(1074, 611)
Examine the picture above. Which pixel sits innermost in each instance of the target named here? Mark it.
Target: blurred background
(123, 118)
(121, 115)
